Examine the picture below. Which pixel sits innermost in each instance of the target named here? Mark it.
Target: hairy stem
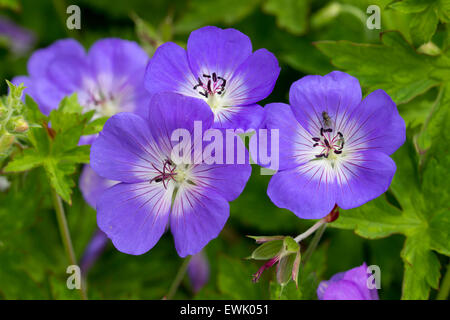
(311, 230)
(178, 278)
(65, 235)
(445, 286)
(314, 242)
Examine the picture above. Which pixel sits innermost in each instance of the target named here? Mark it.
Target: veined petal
(241, 117)
(253, 81)
(113, 60)
(63, 49)
(125, 150)
(361, 177)
(169, 71)
(211, 49)
(198, 215)
(135, 215)
(92, 185)
(227, 180)
(171, 111)
(118, 68)
(295, 144)
(308, 190)
(342, 290)
(375, 125)
(336, 93)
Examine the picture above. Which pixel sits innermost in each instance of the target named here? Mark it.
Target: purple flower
(219, 68)
(348, 285)
(20, 40)
(92, 185)
(94, 249)
(156, 188)
(108, 79)
(333, 148)
(198, 271)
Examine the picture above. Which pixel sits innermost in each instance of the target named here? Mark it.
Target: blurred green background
(32, 259)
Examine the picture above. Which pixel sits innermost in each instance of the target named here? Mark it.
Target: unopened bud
(6, 140)
(20, 125)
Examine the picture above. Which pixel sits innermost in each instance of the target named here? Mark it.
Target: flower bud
(20, 125)
(198, 271)
(4, 184)
(6, 140)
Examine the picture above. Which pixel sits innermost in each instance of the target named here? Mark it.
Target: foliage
(405, 232)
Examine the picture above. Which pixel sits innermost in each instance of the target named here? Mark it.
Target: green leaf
(393, 66)
(235, 280)
(10, 4)
(201, 13)
(292, 15)
(28, 160)
(56, 148)
(95, 126)
(410, 6)
(423, 222)
(425, 15)
(424, 25)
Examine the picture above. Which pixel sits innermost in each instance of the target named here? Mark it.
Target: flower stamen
(328, 143)
(211, 84)
(167, 173)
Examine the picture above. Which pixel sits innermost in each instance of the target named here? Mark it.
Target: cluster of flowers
(334, 146)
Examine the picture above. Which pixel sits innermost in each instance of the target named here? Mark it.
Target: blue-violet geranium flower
(156, 188)
(108, 79)
(219, 68)
(334, 147)
(349, 285)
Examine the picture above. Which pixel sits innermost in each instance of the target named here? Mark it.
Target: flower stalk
(65, 235)
(178, 278)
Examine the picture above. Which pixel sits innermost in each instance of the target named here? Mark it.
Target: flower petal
(135, 215)
(184, 111)
(342, 290)
(336, 93)
(228, 180)
(125, 150)
(308, 190)
(375, 124)
(169, 71)
(115, 60)
(253, 81)
(211, 49)
(241, 117)
(64, 49)
(362, 176)
(118, 68)
(198, 215)
(295, 143)
(92, 185)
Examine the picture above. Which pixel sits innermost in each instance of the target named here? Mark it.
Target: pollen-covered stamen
(166, 174)
(210, 85)
(328, 142)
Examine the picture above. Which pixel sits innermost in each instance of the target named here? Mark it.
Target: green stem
(445, 286)
(65, 234)
(178, 278)
(314, 242)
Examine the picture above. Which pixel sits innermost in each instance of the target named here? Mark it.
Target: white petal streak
(318, 173)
